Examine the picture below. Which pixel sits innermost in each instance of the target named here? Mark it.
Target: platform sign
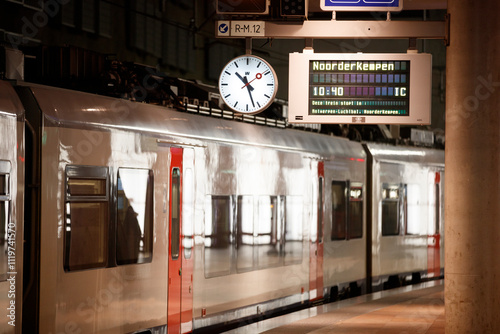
(362, 5)
(360, 88)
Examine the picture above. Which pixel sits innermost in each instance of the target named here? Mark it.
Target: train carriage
(139, 218)
(11, 207)
(407, 213)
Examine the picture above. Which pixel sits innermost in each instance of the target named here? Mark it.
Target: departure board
(360, 88)
(363, 87)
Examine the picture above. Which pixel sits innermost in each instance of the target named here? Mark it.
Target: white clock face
(248, 84)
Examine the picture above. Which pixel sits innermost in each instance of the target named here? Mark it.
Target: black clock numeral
(236, 64)
(235, 104)
(258, 104)
(266, 73)
(247, 107)
(228, 95)
(227, 72)
(270, 84)
(259, 64)
(267, 96)
(225, 84)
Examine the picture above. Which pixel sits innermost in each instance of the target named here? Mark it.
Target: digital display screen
(370, 88)
(358, 88)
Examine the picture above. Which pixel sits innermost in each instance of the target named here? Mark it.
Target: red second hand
(257, 76)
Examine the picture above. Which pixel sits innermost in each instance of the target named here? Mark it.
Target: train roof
(391, 153)
(9, 101)
(89, 110)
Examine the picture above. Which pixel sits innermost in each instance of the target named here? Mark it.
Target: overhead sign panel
(360, 88)
(362, 5)
(248, 7)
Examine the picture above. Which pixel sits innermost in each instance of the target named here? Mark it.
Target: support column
(472, 177)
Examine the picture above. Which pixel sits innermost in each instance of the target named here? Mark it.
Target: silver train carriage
(142, 219)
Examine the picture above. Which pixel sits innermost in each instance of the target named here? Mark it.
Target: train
(127, 217)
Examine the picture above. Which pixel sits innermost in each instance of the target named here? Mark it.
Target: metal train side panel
(111, 298)
(11, 209)
(231, 279)
(345, 258)
(403, 188)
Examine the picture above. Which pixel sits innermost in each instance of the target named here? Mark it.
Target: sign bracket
(248, 45)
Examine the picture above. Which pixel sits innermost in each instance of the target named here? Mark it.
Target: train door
(434, 237)
(187, 237)
(174, 249)
(316, 248)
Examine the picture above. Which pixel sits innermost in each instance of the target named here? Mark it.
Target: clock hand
(245, 81)
(257, 76)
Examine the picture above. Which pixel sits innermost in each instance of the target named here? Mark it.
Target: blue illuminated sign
(362, 5)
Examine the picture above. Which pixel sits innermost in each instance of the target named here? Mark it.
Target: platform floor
(407, 310)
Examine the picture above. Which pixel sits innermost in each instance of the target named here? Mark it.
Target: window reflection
(339, 209)
(267, 236)
(293, 229)
(390, 210)
(414, 222)
(245, 231)
(355, 229)
(218, 237)
(175, 213)
(87, 217)
(134, 229)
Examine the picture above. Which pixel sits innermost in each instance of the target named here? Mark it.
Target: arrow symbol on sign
(223, 28)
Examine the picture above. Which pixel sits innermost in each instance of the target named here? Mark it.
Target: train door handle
(180, 271)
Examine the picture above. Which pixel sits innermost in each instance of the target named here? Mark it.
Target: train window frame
(352, 195)
(142, 214)
(355, 226)
(337, 234)
(393, 194)
(76, 198)
(7, 236)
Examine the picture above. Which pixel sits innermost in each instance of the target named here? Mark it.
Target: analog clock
(248, 84)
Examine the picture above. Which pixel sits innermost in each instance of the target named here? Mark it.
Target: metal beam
(333, 29)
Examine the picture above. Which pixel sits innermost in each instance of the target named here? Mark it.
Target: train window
(175, 213)
(268, 236)
(390, 210)
(218, 236)
(355, 228)
(244, 234)
(86, 217)
(347, 210)
(134, 229)
(5, 233)
(293, 229)
(339, 210)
